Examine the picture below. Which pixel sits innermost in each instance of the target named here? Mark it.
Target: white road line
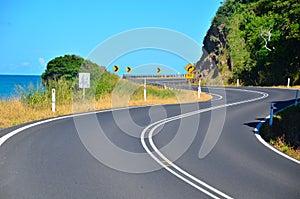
(16, 131)
(179, 170)
(219, 97)
(4, 138)
(266, 144)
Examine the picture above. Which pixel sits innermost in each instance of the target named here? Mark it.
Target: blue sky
(33, 32)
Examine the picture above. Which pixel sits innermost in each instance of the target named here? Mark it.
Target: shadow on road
(278, 106)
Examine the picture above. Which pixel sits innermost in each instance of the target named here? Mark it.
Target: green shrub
(106, 84)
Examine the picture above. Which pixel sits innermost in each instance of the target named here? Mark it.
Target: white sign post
(84, 82)
(53, 100)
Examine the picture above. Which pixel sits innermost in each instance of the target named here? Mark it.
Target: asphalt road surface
(200, 150)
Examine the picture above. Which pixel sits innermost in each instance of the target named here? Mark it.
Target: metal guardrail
(126, 76)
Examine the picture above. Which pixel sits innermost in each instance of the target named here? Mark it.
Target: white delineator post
(145, 91)
(288, 83)
(237, 82)
(53, 100)
(199, 89)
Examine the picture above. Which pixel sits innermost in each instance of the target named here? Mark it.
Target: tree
(68, 67)
(260, 39)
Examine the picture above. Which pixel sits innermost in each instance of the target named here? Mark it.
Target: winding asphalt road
(221, 157)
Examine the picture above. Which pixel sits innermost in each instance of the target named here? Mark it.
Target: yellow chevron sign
(128, 69)
(189, 68)
(116, 68)
(189, 76)
(158, 70)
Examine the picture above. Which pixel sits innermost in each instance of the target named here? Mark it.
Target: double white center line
(202, 186)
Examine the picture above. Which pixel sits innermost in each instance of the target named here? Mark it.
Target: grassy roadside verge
(35, 105)
(284, 134)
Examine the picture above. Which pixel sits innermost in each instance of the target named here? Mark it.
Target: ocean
(9, 84)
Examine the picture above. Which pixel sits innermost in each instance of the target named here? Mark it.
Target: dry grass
(14, 112)
(280, 144)
(291, 87)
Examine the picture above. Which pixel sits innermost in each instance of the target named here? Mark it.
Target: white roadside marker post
(288, 83)
(199, 89)
(53, 100)
(237, 82)
(145, 91)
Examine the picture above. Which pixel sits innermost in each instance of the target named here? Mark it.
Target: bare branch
(268, 34)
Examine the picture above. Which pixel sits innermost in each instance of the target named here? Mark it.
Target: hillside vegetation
(257, 42)
(106, 91)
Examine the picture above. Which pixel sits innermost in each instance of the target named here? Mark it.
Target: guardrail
(126, 76)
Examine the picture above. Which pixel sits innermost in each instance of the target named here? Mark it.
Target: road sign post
(271, 114)
(53, 100)
(84, 82)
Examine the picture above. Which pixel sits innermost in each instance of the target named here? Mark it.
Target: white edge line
(4, 138)
(266, 144)
(158, 123)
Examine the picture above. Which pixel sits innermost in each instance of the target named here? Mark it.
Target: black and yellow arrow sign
(189, 68)
(158, 70)
(128, 69)
(116, 68)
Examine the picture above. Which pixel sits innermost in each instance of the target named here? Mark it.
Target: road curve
(223, 159)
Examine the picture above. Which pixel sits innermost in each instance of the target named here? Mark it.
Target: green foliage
(41, 96)
(245, 26)
(62, 67)
(31, 95)
(153, 92)
(68, 67)
(63, 90)
(106, 84)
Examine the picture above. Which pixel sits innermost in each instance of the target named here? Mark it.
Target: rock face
(255, 41)
(213, 45)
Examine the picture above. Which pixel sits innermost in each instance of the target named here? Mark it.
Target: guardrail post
(297, 95)
(271, 114)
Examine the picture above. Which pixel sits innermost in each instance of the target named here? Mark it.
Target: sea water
(9, 84)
